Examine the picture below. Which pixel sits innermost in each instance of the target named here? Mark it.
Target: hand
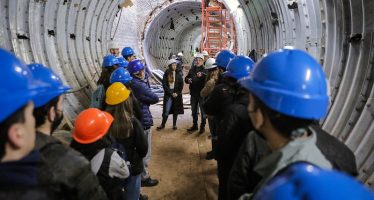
(174, 95)
(199, 74)
(189, 80)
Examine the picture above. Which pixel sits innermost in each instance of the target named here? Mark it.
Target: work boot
(193, 128)
(175, 127)
(148, 182)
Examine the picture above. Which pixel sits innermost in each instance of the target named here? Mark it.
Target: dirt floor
(178, 161)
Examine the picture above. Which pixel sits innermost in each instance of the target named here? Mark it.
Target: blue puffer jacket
(146, 97)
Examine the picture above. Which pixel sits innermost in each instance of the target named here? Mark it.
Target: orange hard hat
(91, 125)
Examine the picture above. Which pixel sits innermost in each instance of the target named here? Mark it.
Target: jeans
(147, 157)
(195, 103)
(167, 108)
(133, 188)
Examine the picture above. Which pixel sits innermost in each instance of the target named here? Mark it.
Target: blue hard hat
(303, 181)
(120, 75)
(18, 86)
(55, 87)
(291, 82)
(127, 51)
(110, 60)
(223, 58)
(135, 66)
(239, 67)
(122, 62)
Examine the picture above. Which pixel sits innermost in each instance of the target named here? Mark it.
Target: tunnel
(72, 36)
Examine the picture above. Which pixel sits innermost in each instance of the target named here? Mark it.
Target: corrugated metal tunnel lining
(72, 36)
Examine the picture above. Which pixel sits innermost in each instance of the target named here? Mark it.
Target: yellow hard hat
(116, 93)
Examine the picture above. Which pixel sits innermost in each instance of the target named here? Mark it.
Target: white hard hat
(180, 54)
(113, 45)
(199, 55)
(209, 64)
(171, 61)
(205, 53)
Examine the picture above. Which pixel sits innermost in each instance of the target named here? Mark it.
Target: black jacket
(339, 155)
(177, 107)
(71, 170)
(219, 99)
(27, 179)
(197, 82)
(242, 179)
(136, 147)
(232, 132)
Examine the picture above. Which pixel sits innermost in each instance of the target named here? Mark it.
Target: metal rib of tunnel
(72, 36)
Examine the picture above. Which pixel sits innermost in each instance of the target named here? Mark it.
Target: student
(172, 82)
(210, 82)
(196, 79)
(222, 60)
(114, 49)
(22, 170)
(234, 124)
(282, 109)
(128, 53)
(143, 93)
(128, 131)
(90, 129)
(48, 113)
(110, 63)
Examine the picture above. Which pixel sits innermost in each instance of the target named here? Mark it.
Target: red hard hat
(91, 125)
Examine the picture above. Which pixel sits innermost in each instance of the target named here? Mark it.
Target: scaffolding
(217, 29)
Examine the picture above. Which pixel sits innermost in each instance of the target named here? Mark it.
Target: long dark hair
(105, 76)
(171, 77)
(122, 127)
(90, 150)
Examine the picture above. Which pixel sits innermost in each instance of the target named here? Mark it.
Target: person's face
(206, 58)
(115, 52)
(255, 114)
(174, 66)
(29, 127)
(56, 114)
(199, 62)
(131, 58)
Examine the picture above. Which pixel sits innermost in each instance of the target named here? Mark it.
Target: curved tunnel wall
(71, 36)
(173, 30)
(68, 35)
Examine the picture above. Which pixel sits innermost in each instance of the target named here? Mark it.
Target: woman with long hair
(172, 83)
(128, 131)
(89, 138)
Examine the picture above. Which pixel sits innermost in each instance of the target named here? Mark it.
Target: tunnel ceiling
(72, 36)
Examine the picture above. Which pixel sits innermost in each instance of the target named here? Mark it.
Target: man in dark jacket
(142, 91)
(196, 79)
(22, 170)
(71, 171)
(231, 134)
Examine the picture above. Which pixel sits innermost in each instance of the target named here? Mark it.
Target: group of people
(263, 119)
(264, 125)
(111, 141)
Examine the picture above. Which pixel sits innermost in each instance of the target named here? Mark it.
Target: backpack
(97, 97)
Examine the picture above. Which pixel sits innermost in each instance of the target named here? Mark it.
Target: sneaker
(148, 182)
(192, 129)
(143, 197)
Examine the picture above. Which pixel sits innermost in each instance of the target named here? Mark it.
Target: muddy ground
(178, 161)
